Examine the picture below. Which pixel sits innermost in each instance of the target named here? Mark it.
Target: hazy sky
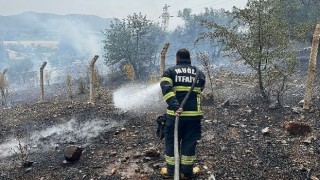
(114, 8)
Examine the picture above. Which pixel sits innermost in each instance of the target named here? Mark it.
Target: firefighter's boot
(165, 174)
(195, 173)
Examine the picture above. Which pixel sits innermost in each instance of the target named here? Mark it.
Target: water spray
(135, 97)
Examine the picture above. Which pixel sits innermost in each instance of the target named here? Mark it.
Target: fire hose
(176, 124)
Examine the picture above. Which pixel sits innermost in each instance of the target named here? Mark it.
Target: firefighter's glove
(161, 120)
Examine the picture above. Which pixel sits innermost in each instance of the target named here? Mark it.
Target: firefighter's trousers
(189, 134)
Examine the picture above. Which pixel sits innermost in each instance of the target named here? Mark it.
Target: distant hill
(32, 25)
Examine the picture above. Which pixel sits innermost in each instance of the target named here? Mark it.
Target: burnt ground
(126, 147)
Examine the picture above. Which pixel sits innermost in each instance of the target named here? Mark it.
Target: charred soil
(240, 140)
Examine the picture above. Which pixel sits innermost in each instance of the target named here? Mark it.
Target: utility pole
(165, 17)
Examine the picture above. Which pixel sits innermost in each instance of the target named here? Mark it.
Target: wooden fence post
(41, 81)
(312, 68)
(163, 58)
(95, 58)
(3, 88)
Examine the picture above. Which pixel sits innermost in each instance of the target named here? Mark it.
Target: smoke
(71, 132)
(78, 36)
(138, 97)
(63, 41)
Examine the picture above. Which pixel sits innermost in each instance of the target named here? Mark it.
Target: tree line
(261, 34)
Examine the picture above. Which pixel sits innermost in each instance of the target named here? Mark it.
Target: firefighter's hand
(178, 112)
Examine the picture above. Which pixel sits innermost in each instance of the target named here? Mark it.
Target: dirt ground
(124, 144)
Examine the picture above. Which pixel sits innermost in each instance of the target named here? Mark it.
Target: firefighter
(175, 84)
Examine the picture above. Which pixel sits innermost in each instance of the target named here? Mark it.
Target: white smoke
(71, 132)
(78, 34)
(82, 40)
(138, 96)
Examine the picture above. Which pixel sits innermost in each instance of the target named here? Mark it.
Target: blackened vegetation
(232, 144)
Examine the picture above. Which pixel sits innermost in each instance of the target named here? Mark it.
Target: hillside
(31, 25)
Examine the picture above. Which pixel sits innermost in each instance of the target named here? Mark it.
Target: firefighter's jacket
(175, 84)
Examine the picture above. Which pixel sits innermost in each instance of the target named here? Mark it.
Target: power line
(212, 3)
(180, 2)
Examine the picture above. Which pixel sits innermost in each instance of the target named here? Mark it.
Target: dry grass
(82, 88)
(129, 71)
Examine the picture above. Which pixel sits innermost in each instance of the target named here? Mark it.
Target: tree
(257, 36)
(204, 60)
(21, 71)
(192, 28)
(302, 16)
(135, 41)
